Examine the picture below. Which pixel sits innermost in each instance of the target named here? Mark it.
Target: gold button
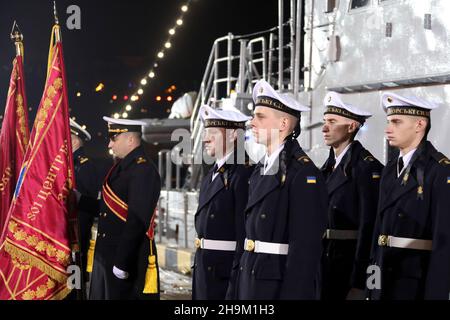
(198, 243)
(250, 246)
(382, 240)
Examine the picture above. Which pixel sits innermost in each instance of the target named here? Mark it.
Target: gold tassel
(90, 256)
(151, 276)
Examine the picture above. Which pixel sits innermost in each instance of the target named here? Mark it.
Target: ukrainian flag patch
(448, 180)
(376, 175)
(311, 180)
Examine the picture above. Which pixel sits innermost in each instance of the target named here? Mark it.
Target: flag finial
(16, 35)
(55, 13)
(17, 38)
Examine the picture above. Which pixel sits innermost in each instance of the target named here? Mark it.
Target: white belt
(333, 234)
(404, 243)
(266, 247)
(219, 245)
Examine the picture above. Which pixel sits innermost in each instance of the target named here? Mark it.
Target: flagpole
(76, 252)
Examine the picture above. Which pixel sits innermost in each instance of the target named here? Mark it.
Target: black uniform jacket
(124, 244)
(285, 207)
(353, 197)
(220, 216)
(88, 182)
(414, 206)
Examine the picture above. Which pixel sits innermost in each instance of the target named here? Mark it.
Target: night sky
(117, 46)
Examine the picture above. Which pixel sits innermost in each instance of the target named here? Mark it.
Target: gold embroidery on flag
(40, 246)
(40, 292)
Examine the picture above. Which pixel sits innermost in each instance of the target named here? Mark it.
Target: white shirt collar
(220, 163)
(269, 160)
(341, 156)
(406, 159)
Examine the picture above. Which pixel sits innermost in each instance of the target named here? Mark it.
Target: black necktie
(332, 163)
(400, 165)
(215, 168)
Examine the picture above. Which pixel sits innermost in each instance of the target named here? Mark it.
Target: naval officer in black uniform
(125, 263)
(286, 210)
(219, 221)
(412, 230)
(88, 182)
(352, 175)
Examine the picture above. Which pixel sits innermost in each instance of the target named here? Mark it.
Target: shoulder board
(441, 159)
(304, 159)
(83, 160)
(367, 156)
(141, 160)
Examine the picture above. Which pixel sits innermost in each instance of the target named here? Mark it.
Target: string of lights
(152, 73)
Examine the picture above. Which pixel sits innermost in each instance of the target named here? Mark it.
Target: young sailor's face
(335, 130)
(401, 130)
(214, 141)
(265, 125)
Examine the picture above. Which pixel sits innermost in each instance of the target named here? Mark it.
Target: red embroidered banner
(40, 229)
(14, 138)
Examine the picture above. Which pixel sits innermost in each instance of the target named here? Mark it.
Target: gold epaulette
(141, 160)
(83, 160)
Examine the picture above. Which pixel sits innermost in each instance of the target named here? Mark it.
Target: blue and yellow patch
(448, 180)
(311, 180)
(376, 175)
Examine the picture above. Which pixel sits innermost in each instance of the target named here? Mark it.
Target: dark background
(117, 46)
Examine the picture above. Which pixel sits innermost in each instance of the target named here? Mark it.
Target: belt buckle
(198, 243)
(250, 246)
(382, 240)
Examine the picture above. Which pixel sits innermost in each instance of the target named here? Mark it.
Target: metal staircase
(236, 63)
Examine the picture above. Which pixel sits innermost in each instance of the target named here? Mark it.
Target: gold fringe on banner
(35, 262)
